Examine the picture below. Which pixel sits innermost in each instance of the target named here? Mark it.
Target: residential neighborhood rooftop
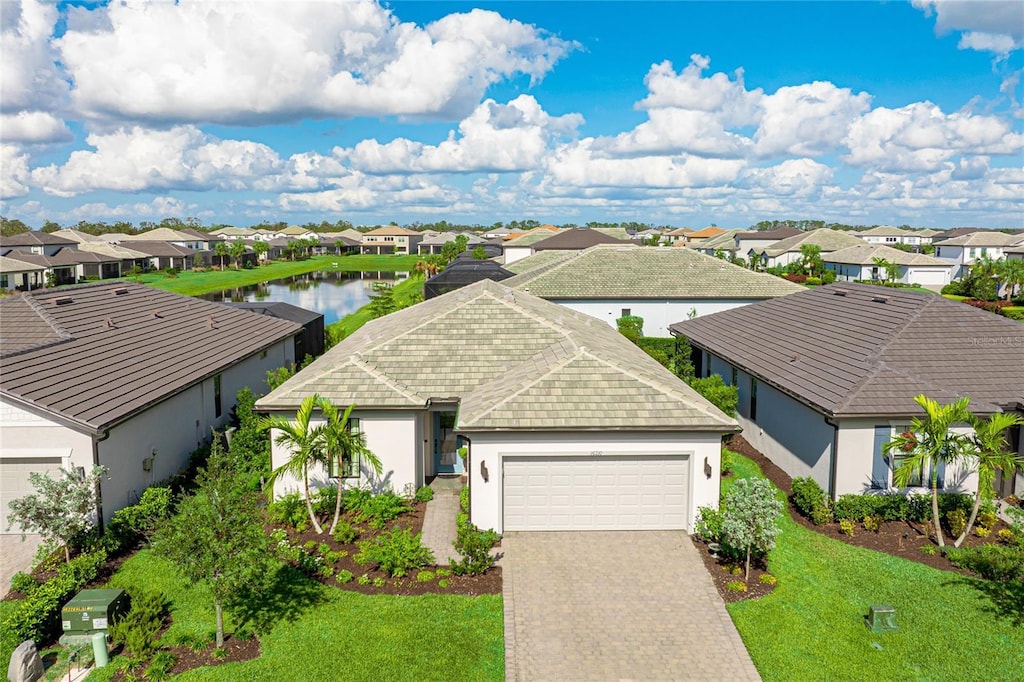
(887, 231)
(514, 361)
(391, 231)
(93, 355)
(34, 238)
(827, 240)
(983, 238)
(628, 271)
(533, 236)
(537, 260)
(575, 240)
(776, 234)
(863, 350)
(864, 254)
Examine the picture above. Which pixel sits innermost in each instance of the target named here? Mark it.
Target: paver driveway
(615, 606)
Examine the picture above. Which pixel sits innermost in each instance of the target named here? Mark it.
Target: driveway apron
(615, 605)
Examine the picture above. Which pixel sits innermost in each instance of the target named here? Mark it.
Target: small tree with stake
(217, 537)
(750, 521)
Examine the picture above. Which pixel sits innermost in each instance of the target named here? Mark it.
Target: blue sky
(664, 112)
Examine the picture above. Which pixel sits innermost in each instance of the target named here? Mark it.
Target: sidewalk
(439, 521)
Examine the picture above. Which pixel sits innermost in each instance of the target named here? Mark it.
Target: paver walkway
(439, 520)
(615, 606)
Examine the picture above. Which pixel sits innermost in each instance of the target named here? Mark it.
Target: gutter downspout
(99, 486)
(469, 472)
(833, 458)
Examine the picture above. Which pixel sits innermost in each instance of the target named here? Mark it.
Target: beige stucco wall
(487, 450)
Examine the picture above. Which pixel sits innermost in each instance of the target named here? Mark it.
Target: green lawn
(405, 292)
(196, 283)
(323, 633)
(812, 626)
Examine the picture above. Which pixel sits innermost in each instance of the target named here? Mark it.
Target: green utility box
(91, 611)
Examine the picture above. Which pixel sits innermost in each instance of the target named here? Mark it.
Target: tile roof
(828, 240)
(296, 231)
(862, 350)
(576, 239)
(77, 236)
(725, 241)
(887, 231)
(93, 355)
(617, 232)
(862, 254)
(533, 236)
(115, 250)
(230, 231)
(927, 232)
(707, 232)
(9, 265)
(776, 234)
(679, 232)
(445, 237)
(392, 231)
(537, 260)
(160, 249)
(160, 234)
(513, 360)
(61, 259)
(34, 238)
(982, 238)
(611, 271)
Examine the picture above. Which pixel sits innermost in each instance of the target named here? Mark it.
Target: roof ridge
(357, 361)
(37, 307)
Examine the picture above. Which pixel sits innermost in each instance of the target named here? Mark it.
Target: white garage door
(627, 492)
(928, 276)
(14, 483)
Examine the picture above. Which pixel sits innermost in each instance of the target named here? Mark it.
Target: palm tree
(306, 443)
(991, 448)
(260, 248)
(221, 250)
(928, 444)
(1010, 272)
(810, 259)
(341, 443)
(237, 252)
(881, 264)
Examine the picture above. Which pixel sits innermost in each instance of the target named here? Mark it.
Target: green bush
(474, 546)
(736, 586)
(137, 630)
(464, 499)
(728, 461)
(767, 579)
(846, 527)
(873, 523)
(379, 509)
(1014, 312)
(23, 583)
(144, 517)
(992, 562)
(709, 524)
(160, 667)
(892, 507)
(344, 533)
(344, 576)
(809, 498)
(956, 521)
(828, 276)
(288, 510)
(988, 519)
(425, 494)
(325, 499)
(425, 577)
(929, 550)
(718, 393)
(395, 552)
(631, 326)
(813, 281)
(954, 288)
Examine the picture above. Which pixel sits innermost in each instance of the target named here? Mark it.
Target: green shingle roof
(646, 272)
(514, 361)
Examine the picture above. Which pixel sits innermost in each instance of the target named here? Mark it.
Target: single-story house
(680, 234)
(705, 233)
(827, 376)
(161, 254)
(129, 258)
(857, 262)
(434, 244)
(310, 341)
(61, 266)
(576, 240)
(567, 425)
(522, 246)
(786, 251)
(1014, 252)
(724, 243)
(661, 285)
(962, 252)
(18, 274)
(124, 376)
(756, 240)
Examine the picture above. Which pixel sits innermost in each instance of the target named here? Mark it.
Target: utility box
(882, 619)
(91, 611)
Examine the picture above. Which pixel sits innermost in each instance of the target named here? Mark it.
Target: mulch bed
(902, 539)
(408, 586)
(237, 651)
(724, 571)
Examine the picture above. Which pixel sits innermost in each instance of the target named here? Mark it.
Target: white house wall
(488, 449)
(657, 314)
(856, 452)
(514, 253)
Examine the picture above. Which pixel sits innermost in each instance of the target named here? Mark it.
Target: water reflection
(335, 294)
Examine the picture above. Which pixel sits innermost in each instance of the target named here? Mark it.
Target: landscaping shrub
(813, 281)
(464, 499)
(988, 519)
(873, 523)
(929, 550)
(137, 630)
(828, 277)
(767, 579)
(23, 583)
(1005, 535)
(736, 586)
(846, 527)
(160, 667)
(954, 288)
(289, 510)
(890, 507)
(709, 524)
(1014, 312)
(750, 522)
(379, 509)
(982, 532)
(142, 519)
(324, 500)
(425, 577)
(956, 521)
(808, 496)
(728, 461)
(631, 326)
(344, 576)
(425, 494)
(395, 552)
(718, 393)
(992, 562)
(796, 279)
(474, 546)
(344, 533)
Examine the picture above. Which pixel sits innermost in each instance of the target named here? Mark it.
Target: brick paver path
(439, 520)
(615, 606)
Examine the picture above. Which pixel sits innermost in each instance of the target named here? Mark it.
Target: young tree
(341, 445)
(222, 251)
(237, 252)
(305, 440)
(60, 509)
(479, 253)
(461, 244)
(631, 326)
(260, 248)
(992, 452)
(750, 519)
(930, 444)
(810, 259)
(217, 536)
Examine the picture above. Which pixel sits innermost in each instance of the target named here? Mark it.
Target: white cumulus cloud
(990, 25)
(809, 119)
(31, 127)
(14, 172)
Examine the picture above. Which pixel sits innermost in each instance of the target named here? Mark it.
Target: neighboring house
(18, 274)
(161, 254)
(576, 240)
(310, 341)
(38, 243)
(962, 252)
(705, 233)
(77, 236)
(462, 272)
(338, 243)
(124, 376)
(827, 376)
(567, 424)
(497, 233)
(434, 244)
(679, 235)
(522, 246)
(660, 285)
(858, 262)
(927, 235)
(391, 239)
(187, 240)
(889, 235)
(786, 251)
(1014, 252)
(724, 243)
(202, 241)
(620, 233)
(296, 232)
(128, 257)
(756, 240)
(538, 260)
(957, 232)
(61, 266)
(233, 233)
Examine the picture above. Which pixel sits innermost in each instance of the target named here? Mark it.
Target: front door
(446, 456)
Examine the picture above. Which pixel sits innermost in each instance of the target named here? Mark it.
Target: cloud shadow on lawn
(286, 597)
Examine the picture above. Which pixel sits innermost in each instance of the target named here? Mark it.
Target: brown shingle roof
(94, 355)
(34, 239)
(870, 351)
(160, 249)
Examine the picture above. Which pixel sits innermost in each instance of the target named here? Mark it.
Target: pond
(335, 294)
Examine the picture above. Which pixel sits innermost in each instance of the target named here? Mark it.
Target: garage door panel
(14, 483)
(596, 493)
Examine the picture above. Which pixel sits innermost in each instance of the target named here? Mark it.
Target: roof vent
(64, 300)
(109, 323)
(840, 292)
(120, 292)
(880, 299)
(209, 322)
